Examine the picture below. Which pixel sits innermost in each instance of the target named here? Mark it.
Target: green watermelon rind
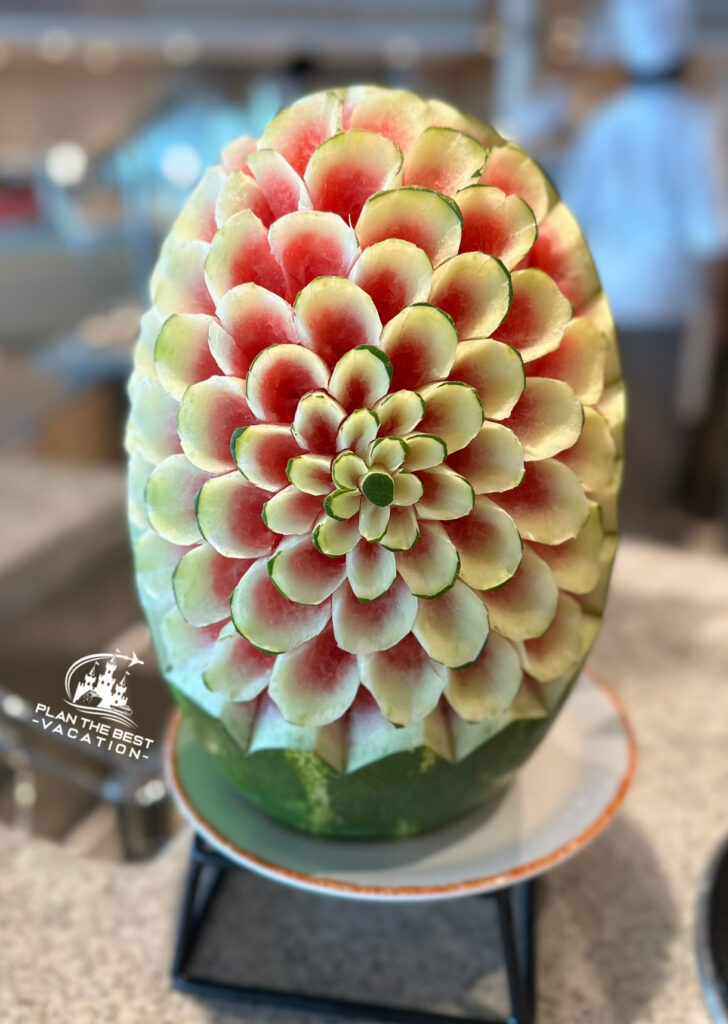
(402, 794)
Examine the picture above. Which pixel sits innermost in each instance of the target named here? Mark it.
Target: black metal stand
(207, 869)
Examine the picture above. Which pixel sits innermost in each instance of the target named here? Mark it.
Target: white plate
(566, 793)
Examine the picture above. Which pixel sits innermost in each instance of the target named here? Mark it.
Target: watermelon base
(400, 795)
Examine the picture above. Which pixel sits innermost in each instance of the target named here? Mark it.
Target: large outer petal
(547, 419)
(444, 159)
(561, 251)
(229, 512)
(209, 414)
(254, 318)
(418, 215)
(488, 686)
(182, 354)
(236, 668)
(311, 244)
(488, 544)
(262, 453)
(315, 683)
(178, 283)
(203, 582)
(366, 627)
(334, 315)
(269, 620)
(348, 168)
(549, 505)
(431, 566)
(475, 290)
(538, 315)
(152, 420)
(170, 499)
(525, 606)
(155, 559)
(281, 375)
(297, 130)
(241, 252)
(452, 628)
(303, 574)
(398, 115)
(493, 461)
(421, 342)
(283, 189)
(404, 680)
(500, 225)
(395, 274)
(515, 173)
(558, 650)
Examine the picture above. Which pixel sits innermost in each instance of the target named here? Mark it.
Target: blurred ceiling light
(100, 56)
(150, 792)
(565, 39)
(24, 792)
(181, 165)
(66, 164)
(55, 45)
(14, 706)
(489, 39)
(402, 52)
(181, 47)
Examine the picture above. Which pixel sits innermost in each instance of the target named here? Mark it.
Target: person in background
(645, 180)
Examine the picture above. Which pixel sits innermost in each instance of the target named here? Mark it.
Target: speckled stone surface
(83, 942)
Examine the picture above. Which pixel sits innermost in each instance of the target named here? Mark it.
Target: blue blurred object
(645, 176)
(651, 36)
(643, 180)
(201, 122)
(78, 366)
(156, 168)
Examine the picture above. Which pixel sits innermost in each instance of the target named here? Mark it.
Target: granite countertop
(45, 544)
(84, 941)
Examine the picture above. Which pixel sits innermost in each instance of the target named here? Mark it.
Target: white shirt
(644, 181)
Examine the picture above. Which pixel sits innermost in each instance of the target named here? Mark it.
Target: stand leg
(529, 935)
(520, 964)
(207, 870)
(196, 900)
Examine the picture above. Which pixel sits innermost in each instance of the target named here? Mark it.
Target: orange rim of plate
(470, 885)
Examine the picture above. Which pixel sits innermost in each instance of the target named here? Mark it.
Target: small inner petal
(347, 470)
(399, 412)
(407, 489)
(373, 520)
(342, 504)
(357, 432)
(387, 453)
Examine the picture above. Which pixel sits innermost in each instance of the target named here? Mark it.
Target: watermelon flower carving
(374, 435)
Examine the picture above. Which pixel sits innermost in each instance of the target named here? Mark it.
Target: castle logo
(97, 707)
(97, 691)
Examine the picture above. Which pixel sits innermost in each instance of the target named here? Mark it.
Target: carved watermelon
(374, 441)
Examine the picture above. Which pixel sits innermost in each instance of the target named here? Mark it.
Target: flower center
(378, 487)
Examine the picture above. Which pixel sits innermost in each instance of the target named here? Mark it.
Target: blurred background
(109, 112)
